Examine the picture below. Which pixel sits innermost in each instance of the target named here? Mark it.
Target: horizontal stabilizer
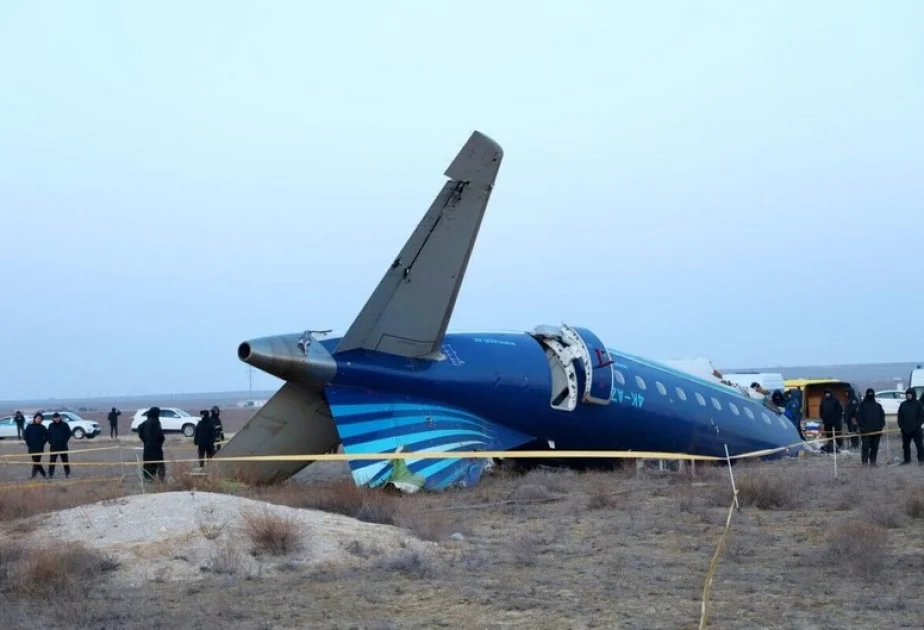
(409, 311)
(295, 421)
(375, 422)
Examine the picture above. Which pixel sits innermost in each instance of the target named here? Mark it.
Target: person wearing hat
(151, 434)
(20, 421)
(36, 436)
(205, 436)
(910, 421)
(59, 434)
(831, 412)
(870, 422)
(219, 430)
(114, 423)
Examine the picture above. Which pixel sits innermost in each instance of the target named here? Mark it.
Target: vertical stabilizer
(409, 311)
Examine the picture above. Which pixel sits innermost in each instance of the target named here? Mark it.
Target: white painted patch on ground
(186, 535)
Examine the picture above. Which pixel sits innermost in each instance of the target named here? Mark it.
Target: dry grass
(52, 571)
(27, 502)
(272, 533)
(765, 491)
(803, 550)
(339, 497)
(913, 503)
(857, 545)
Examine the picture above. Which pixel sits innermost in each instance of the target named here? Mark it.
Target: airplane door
(598, 388)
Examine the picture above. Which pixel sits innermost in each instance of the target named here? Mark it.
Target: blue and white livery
(397, 382)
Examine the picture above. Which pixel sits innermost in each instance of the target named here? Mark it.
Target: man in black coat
(850, 417)
(114, 423)
(206, 433)
(151, 434)
(831, 411)
(59, 434)
(910, 421)
(219, 429)
(20, 421)
(871, 422)
(36, 437)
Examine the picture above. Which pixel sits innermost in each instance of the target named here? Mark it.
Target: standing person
(114, 423)
(205, 438)
(794, 409)
(910, 421)
(871, 422)
(151, 434)
(219, 430)
(20, 421)
(36, 436)
(59, 434)
(850, 417)
(831, 412)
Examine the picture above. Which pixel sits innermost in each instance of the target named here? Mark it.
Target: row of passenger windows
(682, 395)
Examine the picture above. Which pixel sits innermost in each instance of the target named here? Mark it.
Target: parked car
(80, 428)
(7, 428)
(172, 420)
(890, 399)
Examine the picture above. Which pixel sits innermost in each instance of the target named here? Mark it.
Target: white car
(890, 399)
(171, 420)
(80, 428)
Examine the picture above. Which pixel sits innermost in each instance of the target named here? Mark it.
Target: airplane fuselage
(396, 384)
(505, 378)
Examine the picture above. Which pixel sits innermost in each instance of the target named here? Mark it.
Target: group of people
(209, 433)
(866, 421)
(57, 435)
(208, 438)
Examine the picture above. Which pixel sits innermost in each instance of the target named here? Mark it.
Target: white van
(769, 381)
(916, 381)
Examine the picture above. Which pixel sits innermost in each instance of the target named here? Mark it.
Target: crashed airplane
(397, 382)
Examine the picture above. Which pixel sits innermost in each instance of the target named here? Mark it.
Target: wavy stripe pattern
(375, 423)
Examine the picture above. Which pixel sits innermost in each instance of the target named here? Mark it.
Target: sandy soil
(553, 550)
(183, 536)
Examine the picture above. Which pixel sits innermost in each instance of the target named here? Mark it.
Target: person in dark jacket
(910, 421)
(20, 421)
(870, 422)
(151, 434)
(850, 418)
(36, 437)
(831, 411)
(219, 429)
(114, 423)
(205, 436)
(59, 434)
(793, 399)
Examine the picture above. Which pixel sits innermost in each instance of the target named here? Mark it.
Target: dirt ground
(557, 549)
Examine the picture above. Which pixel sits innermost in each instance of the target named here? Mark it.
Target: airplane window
(700, 399)
(763, 414)
(749, 413)
(733, 408)
(619, 377)
(682, 395)
(783, 422)
(640, 382)
(716, 404)
(661, 389)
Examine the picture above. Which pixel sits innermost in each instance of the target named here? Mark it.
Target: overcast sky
(736, 180)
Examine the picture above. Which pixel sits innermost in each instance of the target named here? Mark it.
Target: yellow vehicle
(813, 390)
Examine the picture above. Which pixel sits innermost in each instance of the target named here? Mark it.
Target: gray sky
(736, 180)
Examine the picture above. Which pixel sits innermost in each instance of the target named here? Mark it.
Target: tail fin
(295, 421)
(409, 311)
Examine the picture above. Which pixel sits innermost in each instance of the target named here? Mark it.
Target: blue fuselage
(505, 378)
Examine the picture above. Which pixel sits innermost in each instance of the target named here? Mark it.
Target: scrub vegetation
(624, 549)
